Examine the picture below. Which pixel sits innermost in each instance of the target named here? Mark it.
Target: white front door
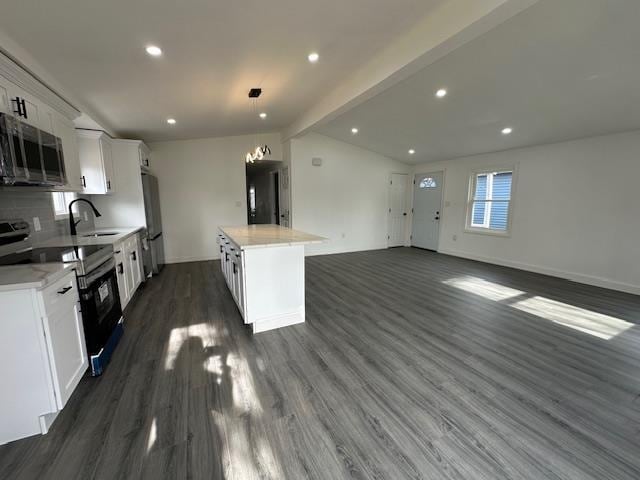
(397, 209)
(427, 209)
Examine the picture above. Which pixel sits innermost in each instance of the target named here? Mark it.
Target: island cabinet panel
(263, 266)
(274, 279)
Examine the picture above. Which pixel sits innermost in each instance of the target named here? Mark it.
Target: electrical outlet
(36, 224)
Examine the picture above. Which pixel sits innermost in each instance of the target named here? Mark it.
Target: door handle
(120, 269)
(64, 290)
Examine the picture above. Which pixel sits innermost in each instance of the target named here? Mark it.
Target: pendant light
(261, 150)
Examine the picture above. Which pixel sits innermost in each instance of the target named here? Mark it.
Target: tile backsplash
(18, 204)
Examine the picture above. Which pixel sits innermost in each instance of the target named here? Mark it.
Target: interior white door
(397, 209)
(427, 209)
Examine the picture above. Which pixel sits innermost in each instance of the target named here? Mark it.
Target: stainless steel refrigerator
(154, 256)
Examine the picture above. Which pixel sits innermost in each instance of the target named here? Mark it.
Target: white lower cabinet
(121, 272)
(43, 356)
(128, 267)
(232, 264)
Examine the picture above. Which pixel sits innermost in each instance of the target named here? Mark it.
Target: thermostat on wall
(316, 162)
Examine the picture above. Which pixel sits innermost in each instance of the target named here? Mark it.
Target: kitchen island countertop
(261, 236)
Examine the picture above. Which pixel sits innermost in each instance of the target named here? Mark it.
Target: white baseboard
(575, 277)
(278, 321)
(191, 259)
(337, 251)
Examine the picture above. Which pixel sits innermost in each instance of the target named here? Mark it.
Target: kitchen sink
(103, 234)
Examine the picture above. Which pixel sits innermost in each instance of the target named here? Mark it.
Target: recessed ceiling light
(171, 121)
(441, 93)
(412, 152)
(313, 57)
(507, 131)
(354, 131)
(263, 115)
(154, 51)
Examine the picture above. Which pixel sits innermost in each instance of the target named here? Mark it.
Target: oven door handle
(105, 268)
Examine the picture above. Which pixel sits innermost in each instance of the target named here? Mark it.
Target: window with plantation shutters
(490, 201)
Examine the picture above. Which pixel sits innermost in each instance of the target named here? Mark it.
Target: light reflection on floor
(484, 288)
(580, 319)
(576, 318)
(240, 440)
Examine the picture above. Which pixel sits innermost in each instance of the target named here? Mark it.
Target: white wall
(202, 186)
(575, 210)
(346, 199)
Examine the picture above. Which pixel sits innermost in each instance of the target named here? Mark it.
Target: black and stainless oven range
(99, 297)
(101, 311)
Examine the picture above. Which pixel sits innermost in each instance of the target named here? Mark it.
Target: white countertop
(261, 236)
(81, 239)
(17, 277)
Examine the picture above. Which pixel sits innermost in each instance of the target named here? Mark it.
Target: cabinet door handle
(64, 290)
(20, 108)
(134, 256)
(108, 184)
(120, 269)
(84, 181)
(146, 162)
(235, 268)
(118, 251)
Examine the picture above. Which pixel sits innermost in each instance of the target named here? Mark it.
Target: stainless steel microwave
(28, 155)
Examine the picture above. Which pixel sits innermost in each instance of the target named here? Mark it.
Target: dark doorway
(263, 192)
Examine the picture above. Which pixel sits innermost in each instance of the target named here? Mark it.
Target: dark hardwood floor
(411, 365)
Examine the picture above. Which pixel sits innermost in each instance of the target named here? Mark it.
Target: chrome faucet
(72, 222)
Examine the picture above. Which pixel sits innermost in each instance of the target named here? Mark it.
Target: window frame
(60, 214)
(485, 229)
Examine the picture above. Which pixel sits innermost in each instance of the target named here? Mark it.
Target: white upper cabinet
(26, 98)
(143, 155)
(25, 106)
(65, 130)
(96, 162)
(4, 97)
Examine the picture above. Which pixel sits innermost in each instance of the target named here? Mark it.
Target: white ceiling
(214, 52)
(557, 71)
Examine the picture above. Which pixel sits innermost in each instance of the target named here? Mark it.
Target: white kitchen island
(264, 269)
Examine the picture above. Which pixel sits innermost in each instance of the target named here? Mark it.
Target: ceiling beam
(450, 26)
